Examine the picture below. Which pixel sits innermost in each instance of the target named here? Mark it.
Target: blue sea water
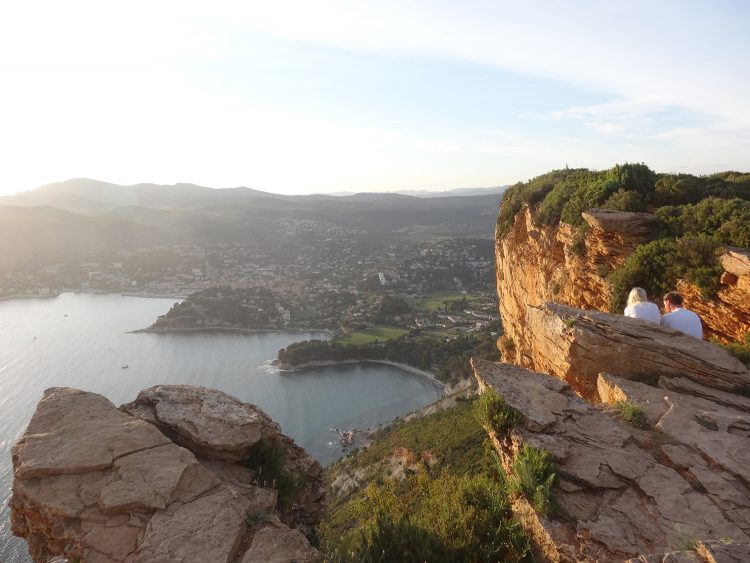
(83, 340)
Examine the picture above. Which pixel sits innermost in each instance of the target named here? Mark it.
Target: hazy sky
(296, 97)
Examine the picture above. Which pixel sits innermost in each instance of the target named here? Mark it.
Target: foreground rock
(577, 345)
(94, 482)
(622, 492)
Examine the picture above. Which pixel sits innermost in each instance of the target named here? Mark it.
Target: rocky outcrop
(671, 482)
(217, 426)
(623, 492)
(539, 264)
(576, 345)
(170, 477)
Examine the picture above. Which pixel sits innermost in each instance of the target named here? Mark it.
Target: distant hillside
(67, 220)
(31, 237)
(83, 195)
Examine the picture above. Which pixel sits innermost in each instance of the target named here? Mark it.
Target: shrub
(493, 412)
(637, 177)
(533, 473)
(647, 267)
(449, 518)
(633, 414)
(625, 200)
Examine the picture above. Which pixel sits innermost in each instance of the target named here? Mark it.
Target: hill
(69, 220)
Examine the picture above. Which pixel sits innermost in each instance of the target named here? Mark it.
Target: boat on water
(124, 366)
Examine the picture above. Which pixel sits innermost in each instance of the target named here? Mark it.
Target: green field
(437, 300)
(378, 333)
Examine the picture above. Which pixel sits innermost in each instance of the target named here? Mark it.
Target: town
(299, 267)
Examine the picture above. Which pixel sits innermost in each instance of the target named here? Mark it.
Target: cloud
(675, 54)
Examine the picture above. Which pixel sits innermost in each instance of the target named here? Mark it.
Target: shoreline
(329, 363)
(93, 292)
(229, 329)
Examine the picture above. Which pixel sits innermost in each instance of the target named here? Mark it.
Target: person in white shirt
(680, 319)
(639, 307)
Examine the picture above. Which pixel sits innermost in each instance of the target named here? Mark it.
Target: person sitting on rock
(639, 307)
(681, 319)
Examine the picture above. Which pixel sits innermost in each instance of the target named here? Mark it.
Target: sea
(86, 341)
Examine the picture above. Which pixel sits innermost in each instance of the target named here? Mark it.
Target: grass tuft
(267, 460)
(533, 473)
(493, 412)
(633, 414)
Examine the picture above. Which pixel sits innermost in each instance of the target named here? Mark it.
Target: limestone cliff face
(165, 478)
(541, 264)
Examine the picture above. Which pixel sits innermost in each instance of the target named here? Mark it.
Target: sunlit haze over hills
(321, 97)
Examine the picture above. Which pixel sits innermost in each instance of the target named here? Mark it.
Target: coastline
(23, 296)
(230, 329)
(92, 292)
(327, 363)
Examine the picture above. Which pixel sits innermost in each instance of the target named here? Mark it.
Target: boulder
(618, 495)
(207, 422)
(576, 345)
(93, 482)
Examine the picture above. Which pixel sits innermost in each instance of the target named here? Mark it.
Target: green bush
(656, 266)
(493, 412)
(533, 473)
(633, 414)
(647, 267)
(625, 200)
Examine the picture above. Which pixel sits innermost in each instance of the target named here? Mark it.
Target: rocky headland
(647, 429)
(182, 473)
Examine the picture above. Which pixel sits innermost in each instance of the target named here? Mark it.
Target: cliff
(536, 264)
(675, 478)
(183, 473)
(630, 441)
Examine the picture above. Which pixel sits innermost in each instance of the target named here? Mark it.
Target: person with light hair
(639, 307)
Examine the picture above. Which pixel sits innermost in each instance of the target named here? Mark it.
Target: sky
(324, 96)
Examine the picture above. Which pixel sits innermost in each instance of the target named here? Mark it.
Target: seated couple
(675, 316)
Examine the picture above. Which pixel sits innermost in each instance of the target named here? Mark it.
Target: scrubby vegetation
(494, 413)
(633, 414)
(695, 216)
(453, 508)
(533, 473)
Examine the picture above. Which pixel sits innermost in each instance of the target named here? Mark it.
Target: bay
(84, 340)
